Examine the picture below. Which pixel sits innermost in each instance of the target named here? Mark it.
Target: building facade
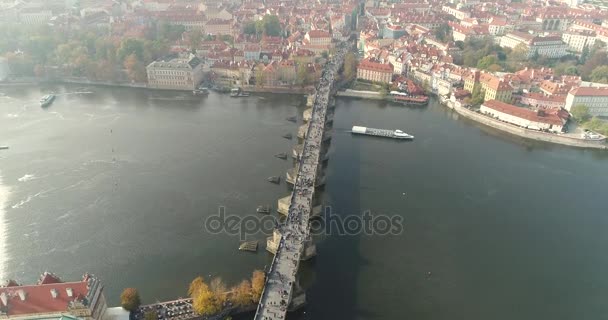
(596, 99)
(176, 74)
(51, 298)
(375, 71)
(536, 120)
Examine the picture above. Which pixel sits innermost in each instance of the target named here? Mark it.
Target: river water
(118, 182)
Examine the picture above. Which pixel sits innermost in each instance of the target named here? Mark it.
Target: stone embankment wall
(527, 133)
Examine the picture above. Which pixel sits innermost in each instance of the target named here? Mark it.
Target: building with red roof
(544, 120)
(53, 298)
(374, 70)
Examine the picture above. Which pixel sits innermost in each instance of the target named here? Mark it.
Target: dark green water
(119, 182)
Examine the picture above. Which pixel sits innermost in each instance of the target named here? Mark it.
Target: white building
(523, 117)
(35, 16)
(551, 47)
(577, 40)
(458, 14)
(176, 74)
(596, 99)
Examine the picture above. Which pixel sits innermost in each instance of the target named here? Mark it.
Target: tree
(517, 56)
(350, 66)
(600, 74)
(219, 289)
(272, 25)
(249, 28)
(135, 68)
(302, 75)
(242, 293)
(257, 285)
(477, 96)
(599, 58)
(494, 67)
(325, 54)
(580, 113)
(129, 299)
(204, 301)
(129, 47)
(169, 32)
(486, 62)
(442, 33)
(195, 37)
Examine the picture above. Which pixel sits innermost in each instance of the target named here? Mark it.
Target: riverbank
(523, 132)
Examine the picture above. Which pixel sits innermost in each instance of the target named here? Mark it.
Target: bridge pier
(284, 203)
(302, 131)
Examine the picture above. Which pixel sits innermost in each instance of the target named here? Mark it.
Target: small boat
(201, 91)
(237, 92)
(274, 179)
(47, 100)
(287, 136)
(281, 155)
(3, 147)
(249, 246)
(263, 209)
(292, 119)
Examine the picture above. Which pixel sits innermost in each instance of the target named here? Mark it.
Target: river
(118, 182)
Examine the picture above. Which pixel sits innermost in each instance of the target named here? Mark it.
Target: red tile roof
(589, 91)
(536, 116)
(370, 65)
(39, 298)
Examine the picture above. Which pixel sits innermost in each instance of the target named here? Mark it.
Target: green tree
(477, 96)
(302, 75)
(195, 37)
(272, 25)
(129, 47)
(486, 62)
(443, 32)
(249, 28)
(169, 32)
(517, 57)
(350, 66)
(600, 74)
(135, 68)
(599, 58)
(129, 299)
(580, 113)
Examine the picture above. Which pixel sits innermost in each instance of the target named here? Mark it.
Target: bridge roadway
(281, 277)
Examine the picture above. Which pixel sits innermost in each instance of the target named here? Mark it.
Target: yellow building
(494, 88)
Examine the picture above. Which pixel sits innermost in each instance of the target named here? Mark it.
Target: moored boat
(47, 100)
(263, 209)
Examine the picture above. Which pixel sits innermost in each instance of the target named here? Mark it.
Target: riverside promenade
(295, 230)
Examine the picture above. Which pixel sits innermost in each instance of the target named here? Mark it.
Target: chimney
(69, 292)
(22, 294)
(4, 298)
(54, 293)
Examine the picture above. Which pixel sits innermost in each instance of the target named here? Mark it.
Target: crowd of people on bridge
(295, 229)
